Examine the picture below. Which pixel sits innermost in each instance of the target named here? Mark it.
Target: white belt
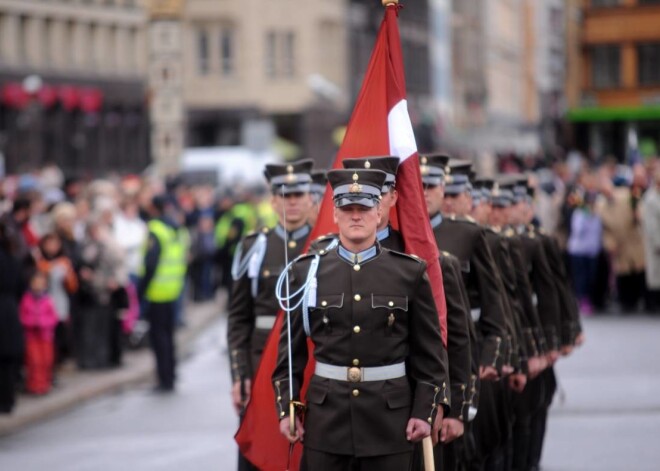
(476, 314)
(354, 374)
(265, 322)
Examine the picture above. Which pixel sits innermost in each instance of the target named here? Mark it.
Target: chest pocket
(324, 317)
(391, 313)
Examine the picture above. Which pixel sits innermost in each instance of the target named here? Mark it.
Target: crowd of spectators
(71, 253)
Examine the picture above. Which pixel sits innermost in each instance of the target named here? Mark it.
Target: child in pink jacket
(39, 319)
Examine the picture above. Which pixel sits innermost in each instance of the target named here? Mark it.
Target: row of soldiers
(383, 379)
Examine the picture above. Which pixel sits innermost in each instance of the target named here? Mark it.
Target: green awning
(624, 113)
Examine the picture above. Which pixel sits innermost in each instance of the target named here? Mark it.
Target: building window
(270, 54)
(289, 54)
(604, 3)
(227, 51)
(280, 54)
(606, 66)
(203, 56)
(649, 63)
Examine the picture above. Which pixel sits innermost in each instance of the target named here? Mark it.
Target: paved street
(608, 420)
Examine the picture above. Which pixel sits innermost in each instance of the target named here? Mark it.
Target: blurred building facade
(613, 81)
(494, 75)
(83, 106)
(254, 69)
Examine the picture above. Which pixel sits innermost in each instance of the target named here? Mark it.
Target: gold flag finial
(387, 3)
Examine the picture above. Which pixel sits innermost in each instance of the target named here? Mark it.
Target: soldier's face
(295, 206)
(499, 216)
(460, 204)
(481, 213)
(433, 195)
(357, 224)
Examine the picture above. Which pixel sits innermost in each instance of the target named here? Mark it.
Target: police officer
(161, 284)
(258, 262)
(381, 374)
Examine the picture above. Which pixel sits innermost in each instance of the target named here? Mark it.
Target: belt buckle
(354, 374)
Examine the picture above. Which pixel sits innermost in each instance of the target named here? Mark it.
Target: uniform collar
(295, 235)
(436, 220)
(356, 258)
(384, 233)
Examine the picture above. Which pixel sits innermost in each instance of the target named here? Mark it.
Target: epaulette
(320, 244)
(407, 255)
(468, 219)
(303, 256)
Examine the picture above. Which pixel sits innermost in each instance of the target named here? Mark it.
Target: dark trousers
(313, 460)
(8, 372)
(583, 272)
(161, 337)
(630, 288)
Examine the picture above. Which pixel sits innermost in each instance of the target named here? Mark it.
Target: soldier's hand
(417, 430)
(553, 356)
(535, 366)
(488, 373)
(579, 340)
(517, 382)
(566, 350)
(451, 430)
(284, 430)
(507, 370)
(236, 396)
(437, 427)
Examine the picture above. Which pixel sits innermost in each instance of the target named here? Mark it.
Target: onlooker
(622, 238)
(203, 252)
(651, 223)
(39, 319)
(11, 332)
(584, 245)
(101, 274)
(62, 283)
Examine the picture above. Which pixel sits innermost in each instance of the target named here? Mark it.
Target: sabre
(292, 405)
(429, 460)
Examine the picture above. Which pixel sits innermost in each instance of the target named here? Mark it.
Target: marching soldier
(258, 262)
(458, 334)
(381, 373)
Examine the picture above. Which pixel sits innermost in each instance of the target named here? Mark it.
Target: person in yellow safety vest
(240, 220)
(162, 278)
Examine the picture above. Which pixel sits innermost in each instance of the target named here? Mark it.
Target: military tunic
(251, 316)
(466, 240)
(368, 312)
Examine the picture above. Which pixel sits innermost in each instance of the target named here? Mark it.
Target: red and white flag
(379, 125)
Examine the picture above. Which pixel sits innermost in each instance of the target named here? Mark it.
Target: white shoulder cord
(241, 264)
(305, 295)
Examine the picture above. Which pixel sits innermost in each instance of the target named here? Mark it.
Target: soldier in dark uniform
(257, 264)
(458, 335)
(381, 372)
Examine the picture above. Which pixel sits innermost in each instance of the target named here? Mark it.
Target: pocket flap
(316, 394)
(389, 302)
(398, 398)
(326, 301)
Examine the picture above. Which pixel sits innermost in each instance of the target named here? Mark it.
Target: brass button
(437, 389)
(324, 303)
(356, 329)
(430, 420)
(356, 393)
(356, 267)
(279, 398)
(356, 362)
(277, 383)
(266, 273)
(446, 401)
(282, 414)
(322, 252)
(390, 304)
(292, 244)
(357, 297)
